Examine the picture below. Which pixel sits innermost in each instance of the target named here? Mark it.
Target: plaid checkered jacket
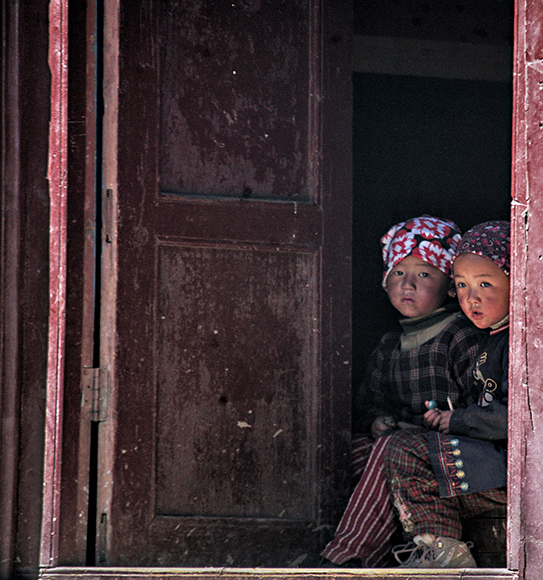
(399, 381)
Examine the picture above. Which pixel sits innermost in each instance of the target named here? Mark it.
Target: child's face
(416, 288)
(482, 289)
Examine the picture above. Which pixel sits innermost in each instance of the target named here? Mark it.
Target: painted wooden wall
(24, 308)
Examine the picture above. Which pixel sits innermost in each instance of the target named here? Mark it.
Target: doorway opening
(428, 138)
(432, 109)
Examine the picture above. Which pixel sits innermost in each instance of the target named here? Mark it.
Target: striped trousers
(368, 523)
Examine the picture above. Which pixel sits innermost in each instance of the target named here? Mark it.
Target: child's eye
(397, 273)
(460, 284)
(424, 274)
(486, 284)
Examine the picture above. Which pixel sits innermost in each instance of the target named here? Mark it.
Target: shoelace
(414, 552)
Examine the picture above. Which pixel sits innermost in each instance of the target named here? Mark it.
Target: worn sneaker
(427, 551)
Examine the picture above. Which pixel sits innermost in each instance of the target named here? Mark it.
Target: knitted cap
(491, 240)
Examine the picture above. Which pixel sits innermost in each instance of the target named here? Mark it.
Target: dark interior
(432, 90)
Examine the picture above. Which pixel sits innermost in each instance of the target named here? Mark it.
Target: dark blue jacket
(473, 456)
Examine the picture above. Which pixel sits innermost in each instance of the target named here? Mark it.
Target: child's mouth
(476, 315)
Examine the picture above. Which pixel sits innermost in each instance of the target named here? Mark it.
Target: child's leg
(368, 523)
(361, 448)
(414, 488)
(415, 491)
(472, 505)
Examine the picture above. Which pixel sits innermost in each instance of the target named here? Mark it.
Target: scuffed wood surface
(274, 574)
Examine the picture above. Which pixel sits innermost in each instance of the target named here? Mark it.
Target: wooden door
(225, 364)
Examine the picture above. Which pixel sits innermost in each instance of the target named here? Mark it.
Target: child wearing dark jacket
(461, 466)
(431, 359)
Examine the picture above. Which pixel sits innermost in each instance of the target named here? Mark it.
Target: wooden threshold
(65, 573)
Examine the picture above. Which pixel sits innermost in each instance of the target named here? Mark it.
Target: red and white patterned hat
(431, 239)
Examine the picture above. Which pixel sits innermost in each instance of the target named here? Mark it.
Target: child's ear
(452, 289)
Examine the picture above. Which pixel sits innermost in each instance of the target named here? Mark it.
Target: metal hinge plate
(93, 391)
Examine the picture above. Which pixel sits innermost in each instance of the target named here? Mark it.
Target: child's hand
(444, 420)
(382, 426)
(432, 419)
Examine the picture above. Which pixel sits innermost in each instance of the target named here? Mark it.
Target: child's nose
(409, 281)
(473, 295)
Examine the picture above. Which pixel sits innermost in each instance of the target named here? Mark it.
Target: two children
(437, 477)
(430, 360)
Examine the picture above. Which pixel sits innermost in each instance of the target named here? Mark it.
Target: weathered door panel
(235, 378)
(226, 276)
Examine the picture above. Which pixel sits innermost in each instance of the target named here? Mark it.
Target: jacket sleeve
(488, 422)
(375, 395)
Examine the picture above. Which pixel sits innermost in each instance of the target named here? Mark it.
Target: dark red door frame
(58, 183)
(24, 299)
(526, 407)
(526, 492)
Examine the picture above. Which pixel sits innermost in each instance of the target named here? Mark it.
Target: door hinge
(101, 552)
(94, 394)
(107, 216)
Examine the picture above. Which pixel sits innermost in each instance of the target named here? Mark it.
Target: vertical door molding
(10, 273)
(57, 174)
(526, 414)
(517, 372)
